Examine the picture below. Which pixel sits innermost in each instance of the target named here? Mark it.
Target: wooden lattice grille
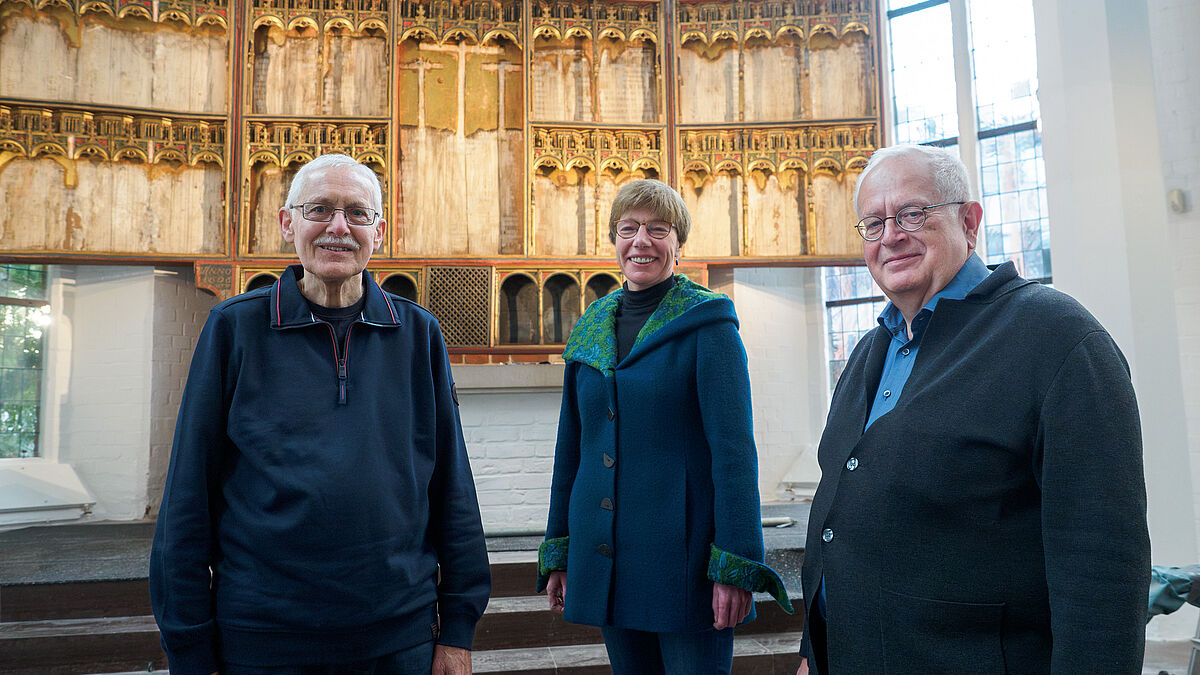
(460, 298)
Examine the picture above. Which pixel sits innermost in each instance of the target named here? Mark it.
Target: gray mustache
(328, 240)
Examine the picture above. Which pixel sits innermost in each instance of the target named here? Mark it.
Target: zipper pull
(342, 382)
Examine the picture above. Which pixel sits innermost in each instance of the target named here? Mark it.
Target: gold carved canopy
(167, 131)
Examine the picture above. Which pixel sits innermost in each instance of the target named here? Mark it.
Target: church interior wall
(180, 310)
(1178, 93)
(101, 383)
(783, 329)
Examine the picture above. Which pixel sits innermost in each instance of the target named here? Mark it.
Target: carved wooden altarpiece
(165, 131)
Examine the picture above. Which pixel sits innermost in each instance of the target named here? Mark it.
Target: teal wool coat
(655, 489)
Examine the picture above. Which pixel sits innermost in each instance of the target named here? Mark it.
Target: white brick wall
(510, 439)
(180, 310)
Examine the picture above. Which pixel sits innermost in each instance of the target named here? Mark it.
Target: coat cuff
(734, 570)
(552, 557)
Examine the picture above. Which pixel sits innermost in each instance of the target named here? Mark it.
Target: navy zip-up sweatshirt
(323, 493)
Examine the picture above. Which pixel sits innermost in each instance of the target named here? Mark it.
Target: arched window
(560, 308)
(599, 286)
(518, 311)
(260, 280)
(401, 285)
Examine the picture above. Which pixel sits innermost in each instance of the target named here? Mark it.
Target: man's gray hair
(949, 173)
(332, 161)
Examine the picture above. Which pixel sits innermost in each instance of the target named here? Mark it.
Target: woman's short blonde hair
(656, 197)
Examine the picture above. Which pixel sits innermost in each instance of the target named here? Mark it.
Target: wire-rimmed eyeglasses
(658, 229)
(909, 219)
(323, 213)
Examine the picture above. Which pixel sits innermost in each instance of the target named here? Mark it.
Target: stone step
(71, 646)
(514, 573)
(517, 625)
(752, 655)
(526, 622)
(74, 600)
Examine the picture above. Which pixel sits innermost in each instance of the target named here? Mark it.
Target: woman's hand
(803, 669)
(556, 590)
(730, 605)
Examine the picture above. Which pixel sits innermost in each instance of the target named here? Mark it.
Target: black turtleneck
(636, 308)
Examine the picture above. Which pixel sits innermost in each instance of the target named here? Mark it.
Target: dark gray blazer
(995, 520)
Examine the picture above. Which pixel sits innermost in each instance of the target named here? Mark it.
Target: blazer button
(604, 550)
(827, 535)
(852, 464)
(611, 414)
(609, 461)
(606, 504)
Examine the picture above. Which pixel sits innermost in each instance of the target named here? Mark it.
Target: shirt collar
(970, 275)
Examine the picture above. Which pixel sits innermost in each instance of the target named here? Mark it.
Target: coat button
(852, 464)
(604, 550)
(609, 461)
(611, 414)
(827, 535)
(606, 504)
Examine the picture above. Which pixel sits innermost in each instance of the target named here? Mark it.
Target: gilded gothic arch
(501, 130)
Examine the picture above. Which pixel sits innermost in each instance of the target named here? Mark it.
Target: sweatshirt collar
(289, 309)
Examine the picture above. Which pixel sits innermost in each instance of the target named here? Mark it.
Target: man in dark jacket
(319, 478)
(981, 506)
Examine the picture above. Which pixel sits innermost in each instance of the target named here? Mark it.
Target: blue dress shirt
(902, 352)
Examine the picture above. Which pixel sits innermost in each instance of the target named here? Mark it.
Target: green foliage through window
(24, 316)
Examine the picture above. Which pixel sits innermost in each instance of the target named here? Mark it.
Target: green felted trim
(734, 570)
(552, 557)
(593, 341)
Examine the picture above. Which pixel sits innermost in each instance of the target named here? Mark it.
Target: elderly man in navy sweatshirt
(319, 480)
(981, 506)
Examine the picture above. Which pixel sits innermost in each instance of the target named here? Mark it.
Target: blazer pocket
(926, 636)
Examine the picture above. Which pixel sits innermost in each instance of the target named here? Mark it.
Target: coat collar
(593, 341)
(289, 309)
(1003, 279)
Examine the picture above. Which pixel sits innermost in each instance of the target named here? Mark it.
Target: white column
(1106, 195)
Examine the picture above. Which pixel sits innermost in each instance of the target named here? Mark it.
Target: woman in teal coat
(654, 523)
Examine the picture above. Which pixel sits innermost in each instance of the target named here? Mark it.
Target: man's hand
(730, 605)
(556, 590)
(449, 660)
(803, 669)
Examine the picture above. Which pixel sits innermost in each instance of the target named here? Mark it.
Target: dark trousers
(416, 660)
(635, 652)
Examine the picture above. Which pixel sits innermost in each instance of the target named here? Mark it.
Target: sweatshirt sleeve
(183, 549)
(455, 525)
(1089, 466)
(723, 385)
